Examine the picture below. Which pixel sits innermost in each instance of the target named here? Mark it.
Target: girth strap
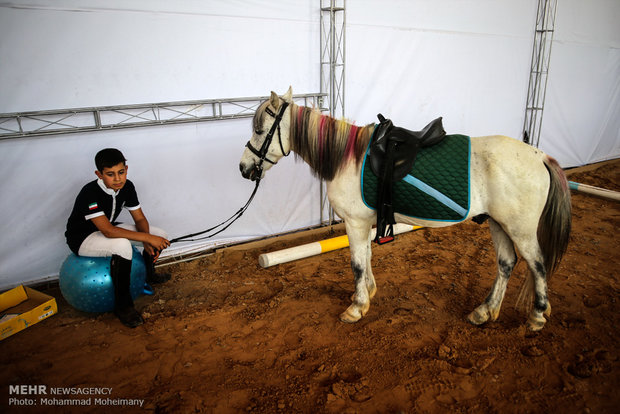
(385, 208)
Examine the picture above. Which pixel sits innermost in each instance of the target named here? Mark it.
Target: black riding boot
(151, 276)
(120, 271)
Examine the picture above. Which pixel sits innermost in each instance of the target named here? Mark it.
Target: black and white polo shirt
(94, 200)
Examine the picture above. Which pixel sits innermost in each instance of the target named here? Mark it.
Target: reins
(262, 155)
(226, 223)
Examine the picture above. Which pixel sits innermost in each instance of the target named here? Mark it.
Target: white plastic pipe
(314, 248)
(589, 189)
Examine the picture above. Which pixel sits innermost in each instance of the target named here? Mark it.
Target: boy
(92, 230)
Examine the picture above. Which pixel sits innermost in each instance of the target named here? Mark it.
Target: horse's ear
(288, 96)
(274, 100)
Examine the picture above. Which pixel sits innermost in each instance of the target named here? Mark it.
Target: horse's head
(270, 136)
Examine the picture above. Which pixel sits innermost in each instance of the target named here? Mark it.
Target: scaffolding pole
(333, 20)
(66, 121)
(539, 71)
(332, 38)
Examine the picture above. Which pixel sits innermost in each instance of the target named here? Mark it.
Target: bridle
(262, 153)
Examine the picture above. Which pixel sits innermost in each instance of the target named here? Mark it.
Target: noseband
(262, 153)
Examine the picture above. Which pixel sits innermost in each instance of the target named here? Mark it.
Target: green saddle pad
(437, 188)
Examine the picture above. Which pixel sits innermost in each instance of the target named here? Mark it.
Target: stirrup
(387, 238)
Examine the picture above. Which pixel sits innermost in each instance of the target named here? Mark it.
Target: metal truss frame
(332, 37)
(331, 98)
(65, 121)
(333, 22)
(541, 56)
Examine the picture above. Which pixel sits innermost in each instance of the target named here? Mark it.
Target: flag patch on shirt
(92, 206)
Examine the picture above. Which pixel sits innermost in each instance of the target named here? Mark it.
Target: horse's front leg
(365, 288)
(369, 277)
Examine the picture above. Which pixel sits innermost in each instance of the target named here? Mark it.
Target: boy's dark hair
(108, 158)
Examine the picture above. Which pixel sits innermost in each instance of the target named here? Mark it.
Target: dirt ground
(227, 336)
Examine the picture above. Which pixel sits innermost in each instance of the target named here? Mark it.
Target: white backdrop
(582, 111)
(467, 61)
(69, 54)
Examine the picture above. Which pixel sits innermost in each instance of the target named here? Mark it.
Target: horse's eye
(258, 132)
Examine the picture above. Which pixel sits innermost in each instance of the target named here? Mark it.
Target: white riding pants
(98, 245)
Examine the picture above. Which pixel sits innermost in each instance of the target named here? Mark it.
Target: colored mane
(325, 143)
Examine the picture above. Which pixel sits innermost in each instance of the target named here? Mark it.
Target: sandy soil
(227, 336)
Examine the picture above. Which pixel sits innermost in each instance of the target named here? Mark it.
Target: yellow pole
(315, 248)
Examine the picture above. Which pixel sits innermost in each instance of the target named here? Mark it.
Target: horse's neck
(326, 143)
(311, 128)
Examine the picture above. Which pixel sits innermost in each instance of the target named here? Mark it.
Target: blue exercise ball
(85, 282)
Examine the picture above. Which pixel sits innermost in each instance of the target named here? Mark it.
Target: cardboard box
(22, 307)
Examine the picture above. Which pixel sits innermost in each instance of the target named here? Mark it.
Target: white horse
(522, 191)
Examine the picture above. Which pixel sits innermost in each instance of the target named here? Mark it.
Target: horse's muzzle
(250, 173)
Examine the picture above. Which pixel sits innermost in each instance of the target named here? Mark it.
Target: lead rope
(226, 223)
(262, 154)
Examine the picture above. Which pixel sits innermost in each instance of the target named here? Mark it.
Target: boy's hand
(155, 255)
(155, 245)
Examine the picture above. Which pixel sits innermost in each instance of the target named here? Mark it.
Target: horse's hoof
(354, 313)
(475, 319)
(479, 316)
(348, 317)
(536, 324)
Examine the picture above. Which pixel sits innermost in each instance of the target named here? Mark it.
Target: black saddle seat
(392, 154)
(404, 146)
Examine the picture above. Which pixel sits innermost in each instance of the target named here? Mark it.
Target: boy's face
(114, 177)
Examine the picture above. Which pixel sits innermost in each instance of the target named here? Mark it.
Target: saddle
(392, 154)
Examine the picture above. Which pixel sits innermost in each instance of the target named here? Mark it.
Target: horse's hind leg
(365, 288)
(506, 260)
(538, 272)
(528, 246)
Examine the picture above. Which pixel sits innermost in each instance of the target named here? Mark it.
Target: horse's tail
(554, 228)
(555, 222)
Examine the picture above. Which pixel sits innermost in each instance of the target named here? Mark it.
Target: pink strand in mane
(325, 143)
(300, 114)
(350, 149)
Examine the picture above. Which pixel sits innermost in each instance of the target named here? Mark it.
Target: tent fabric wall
(467, 61)
(582, 110)
(70, 54)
